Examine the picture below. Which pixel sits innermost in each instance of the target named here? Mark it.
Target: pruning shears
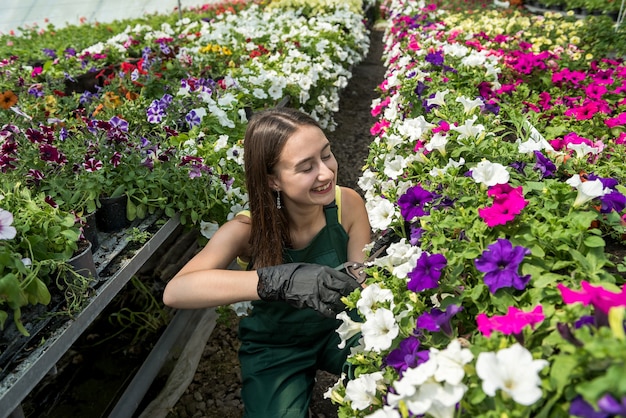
(356, 270)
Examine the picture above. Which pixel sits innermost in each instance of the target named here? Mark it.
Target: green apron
(282, 347)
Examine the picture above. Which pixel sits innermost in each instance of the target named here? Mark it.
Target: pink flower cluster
(597, 296)
(508, 202)
(511, 323)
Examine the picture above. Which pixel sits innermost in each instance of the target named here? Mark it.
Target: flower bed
(497, 175)
(154, 109)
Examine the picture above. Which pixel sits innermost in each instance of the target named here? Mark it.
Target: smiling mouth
(323, 188)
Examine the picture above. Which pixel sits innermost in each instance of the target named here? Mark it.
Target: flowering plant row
(159, 109)
(497, 175)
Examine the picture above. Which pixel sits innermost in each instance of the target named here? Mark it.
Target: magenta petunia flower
(508, 203)
(500, 263)
(597, 296)
(512, 323)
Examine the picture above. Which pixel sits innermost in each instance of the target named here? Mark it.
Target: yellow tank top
(244, 264)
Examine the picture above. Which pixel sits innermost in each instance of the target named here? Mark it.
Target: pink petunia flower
(597, 296)
(512, 323)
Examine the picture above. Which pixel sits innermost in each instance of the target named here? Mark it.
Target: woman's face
(306, 171)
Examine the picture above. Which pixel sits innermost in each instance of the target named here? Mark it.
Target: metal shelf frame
(16, 386)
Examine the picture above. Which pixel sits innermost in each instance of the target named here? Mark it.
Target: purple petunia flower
(420, 88)
(435, 58)
(518, 166)
(580, 408)
(612, 201)
(193, 118)
(36, 91)
(437, 320)
(49, 52)
(407, 355)
(613, 406)
(500, 263)
(119, 124)
(427, 272)
(584, 320)
(413, 202)
(415, 235)
(544, 165)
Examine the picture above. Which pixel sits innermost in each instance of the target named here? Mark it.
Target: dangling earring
(278, 205)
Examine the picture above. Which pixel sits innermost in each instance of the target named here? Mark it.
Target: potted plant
(36, 241)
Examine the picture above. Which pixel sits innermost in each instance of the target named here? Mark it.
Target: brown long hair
(266, 135)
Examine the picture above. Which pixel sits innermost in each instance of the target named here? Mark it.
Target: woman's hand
(306, 285)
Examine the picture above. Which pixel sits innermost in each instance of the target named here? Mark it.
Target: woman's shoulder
(350, 198)
(351, 205)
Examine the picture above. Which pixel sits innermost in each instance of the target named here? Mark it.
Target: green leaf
(131, 210)
(594, 241)
(546, 279)
(561, 371)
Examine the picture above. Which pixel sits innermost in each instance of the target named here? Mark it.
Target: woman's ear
(273, 182)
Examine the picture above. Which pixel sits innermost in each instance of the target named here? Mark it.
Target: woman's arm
(205, 280)
(356, 222)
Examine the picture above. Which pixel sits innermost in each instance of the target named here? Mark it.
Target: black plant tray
(14, 346)
(53, 335)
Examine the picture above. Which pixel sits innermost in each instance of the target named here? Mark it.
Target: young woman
(301, 225)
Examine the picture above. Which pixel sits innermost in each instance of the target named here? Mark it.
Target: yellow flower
(111, 100)
(51, 104)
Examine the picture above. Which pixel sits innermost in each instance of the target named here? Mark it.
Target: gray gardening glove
(306, 285)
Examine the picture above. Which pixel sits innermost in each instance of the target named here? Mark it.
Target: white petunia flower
(514, 371)
(221, 142)
(367, 181)
(436, 171)
(414, 129)
(489, 173)
(587, 190)
(7, 230)
(468, 129)
(361, 392)
(241, 308)
(381, 213)
(395, 168)
(438, 142)
(347, 329)
(583, 149)
(439, 98)
(407, 388)
(371, 296)
(379, 330)
(469, 105)
(208, 229)
(451, 362)
(420, 388)
(386, 412)
(259, 93)
(401, 258)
